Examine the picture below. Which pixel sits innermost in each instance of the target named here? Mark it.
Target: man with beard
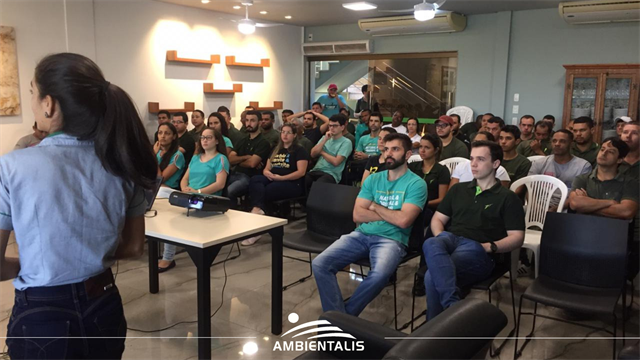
(386, 208)
(583, 144)
(368, 144)
(310, 119)
(252, 152)
(268, 132)
(485, 218)
(451, 147)
(396, 122)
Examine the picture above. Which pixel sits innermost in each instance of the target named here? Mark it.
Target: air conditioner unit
(337, 48)
(593, 12)
(407, 24)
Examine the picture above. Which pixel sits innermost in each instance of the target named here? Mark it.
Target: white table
(203, 234)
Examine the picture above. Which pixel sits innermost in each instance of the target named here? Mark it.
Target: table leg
(153, 265)
(276, 279)
(203, 258)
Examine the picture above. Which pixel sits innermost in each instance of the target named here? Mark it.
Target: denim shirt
(66, 210)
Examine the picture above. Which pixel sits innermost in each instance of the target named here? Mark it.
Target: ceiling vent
(405, 25)
(594, 12)
(337, 48)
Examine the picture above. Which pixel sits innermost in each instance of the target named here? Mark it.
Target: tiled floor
(245, 310)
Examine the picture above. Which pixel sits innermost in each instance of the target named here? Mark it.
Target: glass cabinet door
(616, 103)
(583, 97)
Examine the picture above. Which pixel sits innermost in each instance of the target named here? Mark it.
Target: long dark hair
(94, 109)
(294, 145)
(223, 123)
(173, 148)
(435, 142)
(221, 147)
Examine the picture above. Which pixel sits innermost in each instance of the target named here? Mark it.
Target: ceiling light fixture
(360, 6)
(425, 11)
(246, 26)
(237, 7)
(288, 17)
(205, 1)
(263, 12)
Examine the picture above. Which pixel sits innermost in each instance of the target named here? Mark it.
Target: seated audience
(216, 122)
(363, 124)
(583, 145)
(197, 120)
(350, 127)
(396, 122)
(517, 166)
(349, 135)
(485, 219)
(470, 129)
(570, 125)
(436, 175)
(332, 152)
(464, 173)
(620, 122)
(187, 143)
(494, 126)
(412, 132)
(206, 174)
(266, 126)
(526, 127)
(561, 164)
(312, 130)
(605, 191)
(234, 134)
(243, 121)
(377, 163)
(163, 117)
(630, 167)
(540, 145)
(282, 177)
(551, 120)
(456, 131)
(386, 208)
(31, 139)
(252, 153)
(285, 115)
(369, 145)
(451, 146)
(170, 158)
(302, 140)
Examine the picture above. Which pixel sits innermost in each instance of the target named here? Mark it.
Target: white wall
(129, 40)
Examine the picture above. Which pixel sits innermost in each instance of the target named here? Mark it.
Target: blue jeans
(169, 252)
(238, 185)
(62, 322)
(452, 261)
(384, 254)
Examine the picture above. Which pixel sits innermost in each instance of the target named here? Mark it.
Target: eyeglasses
(176, 122)
(206, 137)
(287, 133)
(442, 126)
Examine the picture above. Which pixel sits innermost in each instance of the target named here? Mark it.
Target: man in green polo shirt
(386, 208)
(540, 145)
(605, 191)
(583, 144)
(517, 166)
(486, 218)
(451, 146)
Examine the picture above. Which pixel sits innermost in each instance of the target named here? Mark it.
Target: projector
(200, 202)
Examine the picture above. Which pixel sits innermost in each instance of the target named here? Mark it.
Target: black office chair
(583, 261)
(463, 331)
(329, 216)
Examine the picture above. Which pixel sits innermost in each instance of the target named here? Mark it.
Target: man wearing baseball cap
(451, 146)
(620, 124)
(332, 102)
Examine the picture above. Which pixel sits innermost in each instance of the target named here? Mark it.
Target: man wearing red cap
(451, 146)
(332, 102)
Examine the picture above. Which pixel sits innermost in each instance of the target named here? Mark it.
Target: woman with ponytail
(170, 158)
(76, 204)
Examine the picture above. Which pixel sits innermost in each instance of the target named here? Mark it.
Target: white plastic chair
(414, 158)
(465, 113)
(451, 163)
(535, 157)
(540, 190)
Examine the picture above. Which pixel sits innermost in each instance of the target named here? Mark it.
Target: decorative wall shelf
(231, 61)
(154, 107)
(208, 89)
(172, 55)
(277, 105)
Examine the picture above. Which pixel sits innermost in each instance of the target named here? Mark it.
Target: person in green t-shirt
(170, 158)
(451, 147)
(332, 151)
(540, 145)
(517, 166)
(363, 124)
(485, 218)
(386, 208)
(583, 145)
(367, 145)
(266, 126)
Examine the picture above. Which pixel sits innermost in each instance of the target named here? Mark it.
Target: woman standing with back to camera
(76, 204)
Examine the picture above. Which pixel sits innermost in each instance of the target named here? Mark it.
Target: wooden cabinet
(603, 92)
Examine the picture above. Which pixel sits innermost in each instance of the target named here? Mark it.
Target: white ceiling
(331, 12)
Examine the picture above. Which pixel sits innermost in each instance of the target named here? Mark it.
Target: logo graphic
(328, 334)
(487, 206)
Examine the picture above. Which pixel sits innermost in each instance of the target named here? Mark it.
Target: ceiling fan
(422, 12)
(248, 26)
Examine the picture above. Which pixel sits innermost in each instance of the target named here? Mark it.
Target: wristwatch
(494, 247)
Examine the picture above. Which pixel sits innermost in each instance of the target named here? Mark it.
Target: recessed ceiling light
(263, 12)
(360, 6)
(205, 1)
(237, 7)
(288, 17)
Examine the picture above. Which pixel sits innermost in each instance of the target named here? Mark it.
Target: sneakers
(250, 241)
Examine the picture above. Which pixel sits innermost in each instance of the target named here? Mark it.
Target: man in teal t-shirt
(332, 102)
(386, 208)
(332, 151)
(368, 144)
